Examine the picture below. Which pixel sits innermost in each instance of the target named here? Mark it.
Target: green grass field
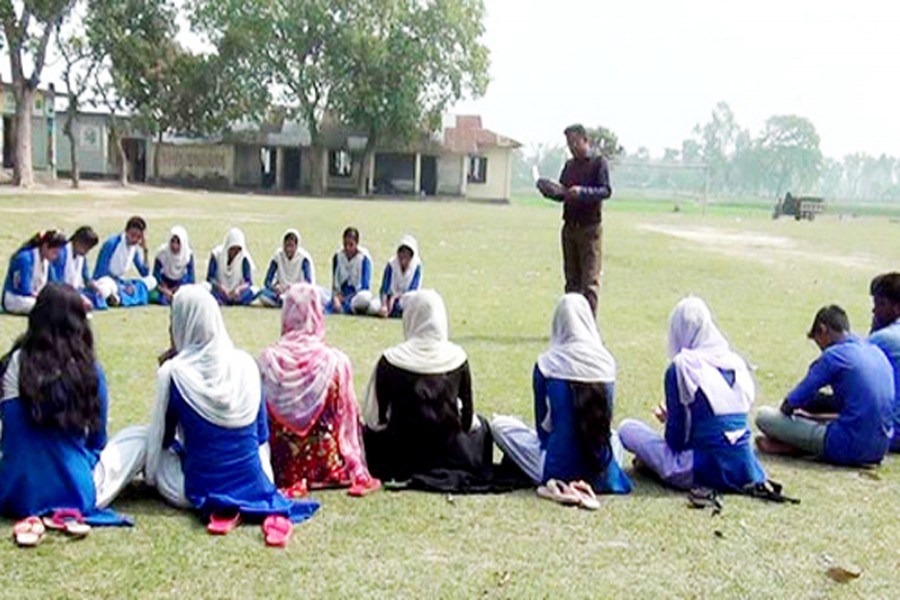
(499, 270)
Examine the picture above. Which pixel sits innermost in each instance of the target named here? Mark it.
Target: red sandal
(277, 530)
(29, 532)
(221, 525)
(68, 520)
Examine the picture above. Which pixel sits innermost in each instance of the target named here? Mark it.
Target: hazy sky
(652, 69)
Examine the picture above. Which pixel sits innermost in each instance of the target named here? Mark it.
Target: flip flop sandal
(29, 532)
(298, 490)
(277, 530)
(586, 493)
(221, 525)
(69, 521)
(559, 492)
(364, 487)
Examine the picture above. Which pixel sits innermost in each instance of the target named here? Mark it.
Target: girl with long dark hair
(29, 270)
(574, 386)
(53, 407)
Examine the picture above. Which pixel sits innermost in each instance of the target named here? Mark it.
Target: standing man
(583, 186)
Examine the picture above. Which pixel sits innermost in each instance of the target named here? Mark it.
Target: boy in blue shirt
(860, 424)
(885, 334)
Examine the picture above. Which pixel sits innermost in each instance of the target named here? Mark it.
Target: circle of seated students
(241, 440)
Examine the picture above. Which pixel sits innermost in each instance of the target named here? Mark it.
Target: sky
(652, 69)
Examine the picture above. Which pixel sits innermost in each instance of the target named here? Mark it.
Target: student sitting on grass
(709, 392)
(116, 254)
(230, 272)
(574, 385)
(402, 274)
(71, 266)
(289, 265)
(313, 415)
(885, 290)
(54, 407)
(351, 270)
(29, 271)
(208, 446)
(173, 267)
(853, 425)
(419, 412)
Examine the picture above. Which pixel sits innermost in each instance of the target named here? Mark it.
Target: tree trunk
(316, 181)
(362, 179)
(69, 132)
(159, 139)
(120, 148)
(23, 172)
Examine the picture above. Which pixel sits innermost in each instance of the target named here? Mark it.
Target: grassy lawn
(499, 270)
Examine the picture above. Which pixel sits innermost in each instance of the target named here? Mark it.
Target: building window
(477, 169)
(340, 164)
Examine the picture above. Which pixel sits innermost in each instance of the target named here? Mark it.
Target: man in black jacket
(583, 186)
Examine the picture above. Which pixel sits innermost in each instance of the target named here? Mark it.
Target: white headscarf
(231, 276)
(349, 270)
(40, 271)
(122, 256)
(174, 266)
(220, 382)
(74, 268)
(698, 350)
(400, 279)
(290, 270)
(576, 350)
(427, 349)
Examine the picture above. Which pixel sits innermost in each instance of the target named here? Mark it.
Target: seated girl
(574, 386)
(419, 414)
(230, 273)
(313, 415)
(289, 265)
(55, 453)
(29, 271)
(173, 267)
(116, 254)
(208, 447)
(709, 391)
(351, 270)
(71, 267)
(402, 274)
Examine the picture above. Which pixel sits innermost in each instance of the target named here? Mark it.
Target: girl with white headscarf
(419, 414)
(173, 267)
(351, 272)
(208, 443)
(403, 274)
(230, 273)
(709, 391)
(574, 386)
(290, 264)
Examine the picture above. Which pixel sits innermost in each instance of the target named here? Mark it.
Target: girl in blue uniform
(55, 453)
(173, 267)
(71, 266)
(289, 265)
(29, 271)
(574, 385)
(403, 274)
(709, 391)
(230, 272)
(116, 254)
(208, 447)
(351, 270)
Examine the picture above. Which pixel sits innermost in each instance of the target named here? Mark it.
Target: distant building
(43, 129)
(97, 155)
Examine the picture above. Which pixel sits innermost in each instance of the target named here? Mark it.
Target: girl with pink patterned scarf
(314, 417)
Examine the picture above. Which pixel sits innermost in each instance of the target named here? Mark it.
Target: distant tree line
(388, 68)
(725, 159)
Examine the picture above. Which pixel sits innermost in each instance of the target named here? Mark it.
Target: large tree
(27, 29)
(135, 39)
(278, 43)
(398, 65)
(789, 147)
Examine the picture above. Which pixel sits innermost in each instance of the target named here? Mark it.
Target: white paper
(535, 173)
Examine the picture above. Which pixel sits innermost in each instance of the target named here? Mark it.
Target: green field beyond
(499, 270)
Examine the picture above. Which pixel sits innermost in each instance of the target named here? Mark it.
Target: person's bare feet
(767, 445)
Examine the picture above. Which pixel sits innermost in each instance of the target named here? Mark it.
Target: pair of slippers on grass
(30, 532)
(577, 493)
(277, 529)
